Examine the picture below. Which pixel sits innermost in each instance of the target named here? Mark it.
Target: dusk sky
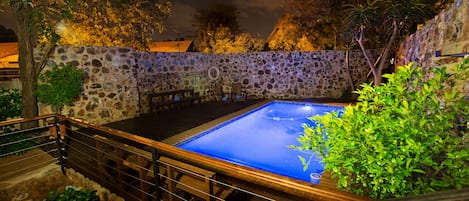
(257, 17)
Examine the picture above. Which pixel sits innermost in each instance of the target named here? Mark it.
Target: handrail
(279, 183)
(438, 53)
(22, 120)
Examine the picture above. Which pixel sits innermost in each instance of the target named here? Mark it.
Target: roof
(8, 49)
(172, 46)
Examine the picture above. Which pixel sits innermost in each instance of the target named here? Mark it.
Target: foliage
(71, 194)
(10, 106)
(225, 42)
(35, 22)
(213, 20)
(59, 86)
(319, 22)
(114, 23)
(14, 143)
(405, 137)
(288, 37)
(390, 21)
(10, 103)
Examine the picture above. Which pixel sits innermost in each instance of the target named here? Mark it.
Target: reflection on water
(260, 139)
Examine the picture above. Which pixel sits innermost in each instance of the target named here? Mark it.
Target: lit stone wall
(270, 75)
(110, 88)
(118, 80)
(447, 32)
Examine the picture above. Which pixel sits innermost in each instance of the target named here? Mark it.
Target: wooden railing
(161, 169)
(283, 184)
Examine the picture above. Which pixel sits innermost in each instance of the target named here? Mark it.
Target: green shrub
(405, 137)
(10, 107)
(71, 194)
(12, 143)
(10, 103)
(59, 86)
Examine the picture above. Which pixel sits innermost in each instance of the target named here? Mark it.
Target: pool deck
(167, 124)
(174, 126)
(171, 126)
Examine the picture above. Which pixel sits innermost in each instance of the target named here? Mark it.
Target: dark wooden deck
(169, 123)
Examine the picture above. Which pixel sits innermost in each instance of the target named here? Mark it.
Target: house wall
(118, 80)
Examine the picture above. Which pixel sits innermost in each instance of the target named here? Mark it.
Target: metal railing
(138, 168)
(24, 140)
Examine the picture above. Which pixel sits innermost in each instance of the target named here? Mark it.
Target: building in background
(172, 46)
(9, 55)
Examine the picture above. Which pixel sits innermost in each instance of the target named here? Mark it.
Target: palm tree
(390, 21)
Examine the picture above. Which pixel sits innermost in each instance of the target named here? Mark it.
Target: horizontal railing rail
(286, 185)
(26, 140)
(137, 168)
(128, 168)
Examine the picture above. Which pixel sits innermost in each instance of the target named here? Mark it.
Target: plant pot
(315, 178)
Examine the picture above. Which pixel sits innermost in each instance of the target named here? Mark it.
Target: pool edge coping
(208, 125)
(185, 135)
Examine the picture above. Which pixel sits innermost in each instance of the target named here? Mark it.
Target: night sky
(257, 17)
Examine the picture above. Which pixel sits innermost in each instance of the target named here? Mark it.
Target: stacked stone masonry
(118, 80)
(447, 32)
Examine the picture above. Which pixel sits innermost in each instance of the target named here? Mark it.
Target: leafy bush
(10, 106)
(405, 137)
(71, 194)
(10, 103)
(59, 86)
(10, 143)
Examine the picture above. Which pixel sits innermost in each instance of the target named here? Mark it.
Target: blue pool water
(260, 139)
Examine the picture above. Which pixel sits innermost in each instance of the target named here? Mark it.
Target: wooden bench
(176, 175)
(172, 99)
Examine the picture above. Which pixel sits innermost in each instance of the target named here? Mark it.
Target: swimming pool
(260, 139)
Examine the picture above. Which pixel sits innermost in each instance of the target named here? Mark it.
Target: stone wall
(118, 80)
(447, 32)
(270, 75)
(110, 87)
(37, 184)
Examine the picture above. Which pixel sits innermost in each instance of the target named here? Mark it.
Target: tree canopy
(319, 22)
(40, 21)
(226, 42)
(288, 37)
(129, 23)
(389, 21)
(219, 32)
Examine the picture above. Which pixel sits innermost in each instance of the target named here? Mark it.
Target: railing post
(156, 171)
(60, 145)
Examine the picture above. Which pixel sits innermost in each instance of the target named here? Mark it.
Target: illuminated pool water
(260, 139)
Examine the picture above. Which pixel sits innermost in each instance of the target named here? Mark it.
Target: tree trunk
(347, 65)
(28, 68)
(384, 59)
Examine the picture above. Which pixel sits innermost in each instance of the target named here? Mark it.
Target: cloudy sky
(257, 17)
